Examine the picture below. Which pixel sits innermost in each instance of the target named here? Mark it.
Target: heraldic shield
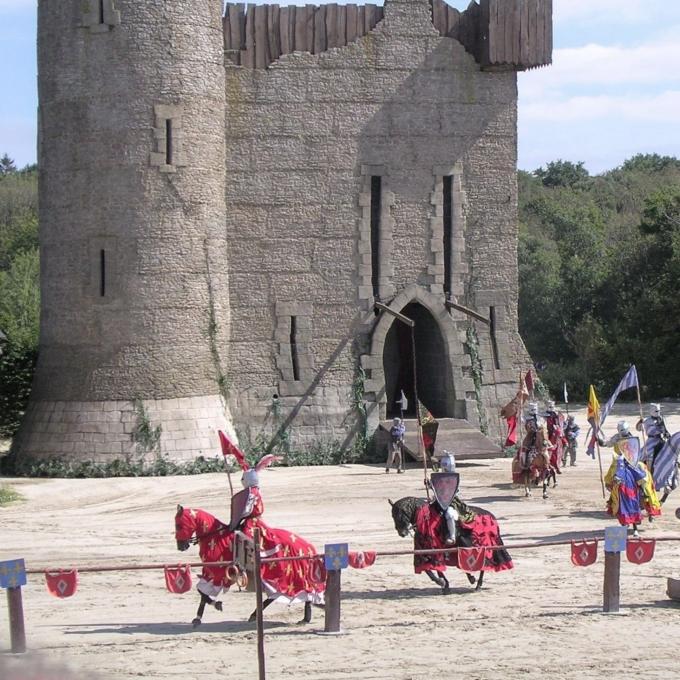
(444, 485)
(239, 503)
(630, 449)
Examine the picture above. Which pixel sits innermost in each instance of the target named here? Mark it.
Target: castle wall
(303, 138)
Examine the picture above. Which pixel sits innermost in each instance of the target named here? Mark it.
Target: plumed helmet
(655, 410)
(447, 462)
(533, 408)
(250, 478)
(623, 427)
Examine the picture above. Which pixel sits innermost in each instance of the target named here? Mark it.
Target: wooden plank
(341, 25)
(611, 585)
(311, 11)
(226, 30)
(259, 609)
(351, 28)
(524, 34)
(237, 25)
(548, 46)
(331, 26)
(439, 16)
(300, 32)
(532, 31)
(284, 29)
(261, 41)
(361, 20)
(248, 54)
(332, 609)
(17, 630)
(320, 30)
(369, 22)
(274, 32)
(516, 30)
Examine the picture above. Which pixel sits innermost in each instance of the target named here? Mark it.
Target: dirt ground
(542, 619)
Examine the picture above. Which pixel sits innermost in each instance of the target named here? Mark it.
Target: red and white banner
(471, 559)
(62, 583)
(640, 550)
(361, 560)
(583, 553)
(178, 579)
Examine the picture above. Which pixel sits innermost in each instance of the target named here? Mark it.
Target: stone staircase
(465, 441)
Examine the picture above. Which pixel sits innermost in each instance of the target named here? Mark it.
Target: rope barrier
(319, 556)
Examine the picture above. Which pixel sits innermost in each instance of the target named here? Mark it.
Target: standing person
(623, 479)
(656, 432)
(571, 432)
(396, 446)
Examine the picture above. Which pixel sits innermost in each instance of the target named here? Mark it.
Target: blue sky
(613, 90)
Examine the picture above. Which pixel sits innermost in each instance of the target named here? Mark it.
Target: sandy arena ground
(542, 619)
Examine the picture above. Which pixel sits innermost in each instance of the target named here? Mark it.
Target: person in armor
(395, 454)
(571, 432)
(553, 421)
(526, 467)
(630, 485)
(656, 432)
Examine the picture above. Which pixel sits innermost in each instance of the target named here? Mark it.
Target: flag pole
(599, 460)
(421, 445)
(637, 389)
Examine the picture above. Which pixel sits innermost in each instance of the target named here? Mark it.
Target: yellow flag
(593, 407)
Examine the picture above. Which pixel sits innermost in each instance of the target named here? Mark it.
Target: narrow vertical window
(448, 221)
(293, 348)
(168, 141)
(102, 272)
(376, 197)
(100, 10)
(492, 332)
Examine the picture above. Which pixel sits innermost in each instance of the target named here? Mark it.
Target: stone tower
(350, 163)
(135, 316)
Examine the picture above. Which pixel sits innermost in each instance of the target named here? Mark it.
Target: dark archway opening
(435, 384)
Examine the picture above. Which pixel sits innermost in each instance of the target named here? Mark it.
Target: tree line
(599, 267)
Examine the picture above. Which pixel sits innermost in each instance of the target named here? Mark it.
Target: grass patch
(8, 495)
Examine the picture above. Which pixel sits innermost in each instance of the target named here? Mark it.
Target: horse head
(402, 514)
(185, 527)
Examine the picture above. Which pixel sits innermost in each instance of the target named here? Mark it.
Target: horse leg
(664, 497)
(527, 491)
(636, 533)
(265, 604)
(545, 486)
(480, 578)
(307, 618)
(201, 608)
(470, 578)
(439, 578)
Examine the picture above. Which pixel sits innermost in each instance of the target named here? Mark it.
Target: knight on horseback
(657, 434)
(555, 424)
(532, 462)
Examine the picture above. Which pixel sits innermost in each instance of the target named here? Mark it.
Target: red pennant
(178, 579)
(62, 583)
(640, 550)
(471, 559)
(583, 553)
(511, 438)
(361, 560)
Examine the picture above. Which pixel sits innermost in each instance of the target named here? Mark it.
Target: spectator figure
(396, 446)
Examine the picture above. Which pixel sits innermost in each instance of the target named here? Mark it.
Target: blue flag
(629, 380)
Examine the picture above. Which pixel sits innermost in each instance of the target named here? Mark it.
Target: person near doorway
(395, 454)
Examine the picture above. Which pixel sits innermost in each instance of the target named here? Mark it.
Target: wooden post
(611, 589)
(332, 614)
(16, 620)
(259, 611)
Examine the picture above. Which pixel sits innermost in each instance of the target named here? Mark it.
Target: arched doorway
(435, 382)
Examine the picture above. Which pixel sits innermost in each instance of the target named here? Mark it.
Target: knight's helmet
(655, 410)
(447, 462)
(533, 408)
(133, 246)
(549, 405)
(250, 475)
(623, 428)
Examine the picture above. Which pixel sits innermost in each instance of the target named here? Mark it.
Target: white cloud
(662, 107)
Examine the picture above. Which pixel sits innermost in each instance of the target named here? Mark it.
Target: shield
(239, 503)
(62, 583)
(444, 485)
(178, 579)
(641, 550)
(583, 553)
(629, 448)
